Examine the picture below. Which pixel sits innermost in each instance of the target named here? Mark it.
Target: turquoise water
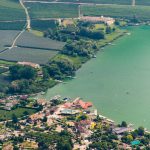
(118, 80)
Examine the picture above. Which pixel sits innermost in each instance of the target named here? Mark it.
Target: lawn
(118, 11)
(4, 114)
(11, 10)
(42, 10)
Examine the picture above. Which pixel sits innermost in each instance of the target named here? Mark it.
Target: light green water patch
(118, 80)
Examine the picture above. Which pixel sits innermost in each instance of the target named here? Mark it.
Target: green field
(118, 11)
(4, 114)
(43, 24)
(120, 2)
(11, 10)
(16, 25)
(38, 10)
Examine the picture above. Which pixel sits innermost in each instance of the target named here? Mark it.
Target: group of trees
(80, 48)
(61, 68)
(54, 140)
(22, 72)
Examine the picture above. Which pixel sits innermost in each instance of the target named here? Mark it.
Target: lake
(117, 81)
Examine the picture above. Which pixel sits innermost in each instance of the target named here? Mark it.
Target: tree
(22, 72)
(45, 119)
(140, 131)
(14, 118)
(123, 124)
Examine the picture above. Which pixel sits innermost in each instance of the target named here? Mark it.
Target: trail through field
(27, 26)
(15, 40)
(27, 15)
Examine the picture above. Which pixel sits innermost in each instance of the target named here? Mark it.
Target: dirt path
(27, 15)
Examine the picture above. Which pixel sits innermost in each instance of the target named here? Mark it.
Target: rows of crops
(121, 2)
(30, 47)
(44, 10)
(27, 54)
(29, 40)
(6, 38)
(11, 10)
(121, 11)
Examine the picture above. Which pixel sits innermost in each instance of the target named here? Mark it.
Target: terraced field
(118, 11)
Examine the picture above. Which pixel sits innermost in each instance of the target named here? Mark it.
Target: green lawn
(118, 11)
(4, 114)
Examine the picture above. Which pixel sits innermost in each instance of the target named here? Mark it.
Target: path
(27, 15)
(27, 26)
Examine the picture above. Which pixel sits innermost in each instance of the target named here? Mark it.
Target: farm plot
(43, 24)
(118, 11)
(11, 10)
(12, 25)
(29, 40)
(29, 47)
(27, 54)
(119, 2)
(45, 10)
(6, 38)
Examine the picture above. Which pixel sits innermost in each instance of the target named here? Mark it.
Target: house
(8, 106)
(68, 112)
(107, 20)
(36, 116)
(81, 104)
(37, 66)
(41, 101)
(121, 130)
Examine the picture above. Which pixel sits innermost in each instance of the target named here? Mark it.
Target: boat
(94, 56)
(128, 33)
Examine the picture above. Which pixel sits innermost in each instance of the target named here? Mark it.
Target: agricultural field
(43, 25)
(6, 38)
(118, 11)
(44, 10)
(12, 25)
(28, 54)
(31, 41)
(119, 2)
(11, 10)
(30, 47)
(5, 115)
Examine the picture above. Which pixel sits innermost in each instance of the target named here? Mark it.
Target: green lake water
(117, 81)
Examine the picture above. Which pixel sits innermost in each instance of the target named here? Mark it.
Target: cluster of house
(79, 117)
(107, 20)
(11, 101)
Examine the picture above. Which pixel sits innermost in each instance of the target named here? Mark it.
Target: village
(78, 118)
